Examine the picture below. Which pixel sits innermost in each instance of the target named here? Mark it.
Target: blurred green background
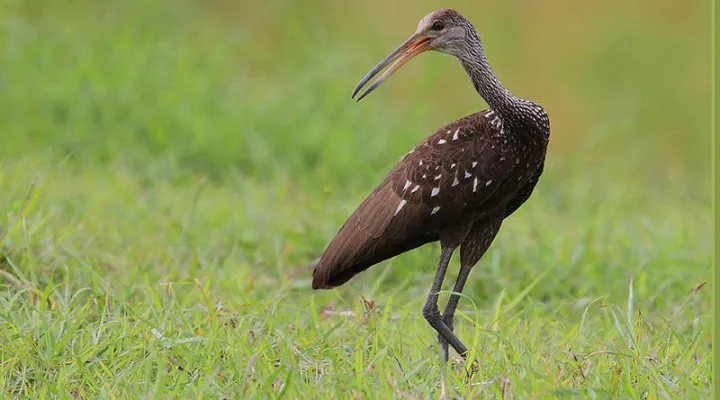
(262, 88)
(213, 144)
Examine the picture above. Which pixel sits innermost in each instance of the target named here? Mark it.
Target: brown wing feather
(443, 181)
(368, 237)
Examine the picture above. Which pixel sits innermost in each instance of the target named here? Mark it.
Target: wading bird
(457, 186)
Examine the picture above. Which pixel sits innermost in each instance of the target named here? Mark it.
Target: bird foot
(470, 372)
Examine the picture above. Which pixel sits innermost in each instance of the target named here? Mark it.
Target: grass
(167, 174)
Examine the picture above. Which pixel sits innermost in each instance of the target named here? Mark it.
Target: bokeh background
(214, 144)
(261, 87)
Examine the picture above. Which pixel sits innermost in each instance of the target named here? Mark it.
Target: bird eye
(438, 26)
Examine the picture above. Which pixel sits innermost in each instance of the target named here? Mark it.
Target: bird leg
(431, 311)
(449, 313)
(476, 243)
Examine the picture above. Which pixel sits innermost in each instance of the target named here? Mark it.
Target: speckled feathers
(466, 171)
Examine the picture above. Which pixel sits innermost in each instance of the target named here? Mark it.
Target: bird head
(444, 30)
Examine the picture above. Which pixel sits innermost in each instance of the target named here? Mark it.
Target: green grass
(168, 174)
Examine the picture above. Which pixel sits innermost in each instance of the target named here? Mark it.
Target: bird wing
(431, 187)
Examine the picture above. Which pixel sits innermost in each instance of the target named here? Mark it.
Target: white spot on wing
(468, 175)
(442, 141)
(474, 163)
(435, 191)
(415, 189)
(407, 185)
(455, 182)
(475, 182)
(438, 176)
(455, 135)
(400, 206)
(488, 182)
(434, 210)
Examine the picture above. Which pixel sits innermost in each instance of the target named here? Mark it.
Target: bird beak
(415, 45)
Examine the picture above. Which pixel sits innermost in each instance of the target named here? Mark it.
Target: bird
(456, 187)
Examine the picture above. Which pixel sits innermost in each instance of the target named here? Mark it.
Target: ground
(168, 176)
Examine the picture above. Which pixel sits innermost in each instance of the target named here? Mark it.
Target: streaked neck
(484, 79)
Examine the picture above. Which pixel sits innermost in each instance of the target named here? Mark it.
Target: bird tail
(348, 254)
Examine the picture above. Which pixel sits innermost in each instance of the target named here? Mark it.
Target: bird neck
(485, 81)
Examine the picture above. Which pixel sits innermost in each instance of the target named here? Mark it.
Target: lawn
(170, 170)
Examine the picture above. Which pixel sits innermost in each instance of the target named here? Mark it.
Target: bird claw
(470, 372)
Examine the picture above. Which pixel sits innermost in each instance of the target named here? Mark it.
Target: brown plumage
(456, 186)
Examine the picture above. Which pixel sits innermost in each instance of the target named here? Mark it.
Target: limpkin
(457, 186)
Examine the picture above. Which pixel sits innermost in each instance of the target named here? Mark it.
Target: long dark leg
(431, 311)
(449, 313)
(476, 244)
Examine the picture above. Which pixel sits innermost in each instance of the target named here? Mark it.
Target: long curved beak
(415, 45)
